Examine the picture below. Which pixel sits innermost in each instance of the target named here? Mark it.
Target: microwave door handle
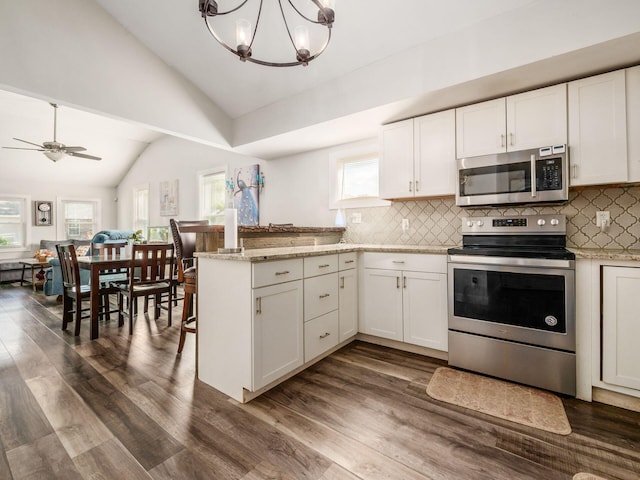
(534, 192)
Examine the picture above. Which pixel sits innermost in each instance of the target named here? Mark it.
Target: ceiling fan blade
(75, 149)
(30, 143)
(23, 148)
(83, 155)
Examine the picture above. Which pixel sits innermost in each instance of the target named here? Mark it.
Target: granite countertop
(271, 228)
(276, 253)
(606, 254)
(279, 253)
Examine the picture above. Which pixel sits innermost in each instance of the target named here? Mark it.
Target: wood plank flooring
(128, 407)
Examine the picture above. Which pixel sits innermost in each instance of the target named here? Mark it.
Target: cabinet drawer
(320, 295)
(320, 334)
(320, 265)
(419, 262)
(278, 271)
(347, 260)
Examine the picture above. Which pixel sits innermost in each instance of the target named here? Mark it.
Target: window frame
(135, 220)
(60, 201)
(26, 224)
(337, 160)
(202, 215)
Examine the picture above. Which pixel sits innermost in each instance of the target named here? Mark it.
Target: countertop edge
(282, 253)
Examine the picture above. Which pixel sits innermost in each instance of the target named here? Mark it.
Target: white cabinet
(348, 294)
(321, 327)
(598, 130)
(621, 326)
(633, 122)
(418, 157)
(277, 331)
(519, 122)
(404, 298)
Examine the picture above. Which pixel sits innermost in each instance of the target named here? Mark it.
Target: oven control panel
(522, 224)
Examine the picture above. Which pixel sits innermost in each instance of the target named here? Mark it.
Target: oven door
(514, 299)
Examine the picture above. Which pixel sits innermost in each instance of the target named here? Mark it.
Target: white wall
(40, 189)
(296, 187)
(173, 158)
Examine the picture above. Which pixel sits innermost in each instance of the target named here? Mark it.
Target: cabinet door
(537, 118)
(621, 326)
(633, 122)
(348, 300)
(278, 336)
(481, 129)
(396, 162)
(425, 309)
(382, 303)
(435, 154)
(597, 129)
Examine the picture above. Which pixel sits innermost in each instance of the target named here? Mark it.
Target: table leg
(95, 293)
(33, 279)
(22, 278)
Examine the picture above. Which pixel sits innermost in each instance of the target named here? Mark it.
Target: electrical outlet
(603, 219)
(356, 217)
(405, 224)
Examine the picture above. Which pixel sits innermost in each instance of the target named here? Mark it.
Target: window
(354, 178)
(141, 208)
(13, 222)
(79, 219)
(212, 197)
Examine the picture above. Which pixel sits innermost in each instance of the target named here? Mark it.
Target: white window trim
(60, 234)
(199, 176)
(136, 189)
(336, 159)
(27, 226)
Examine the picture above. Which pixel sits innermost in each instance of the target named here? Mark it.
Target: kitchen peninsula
(266, 314)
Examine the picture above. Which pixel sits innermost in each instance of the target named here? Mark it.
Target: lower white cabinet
(404, 304)
(320, 334)
(348, 303)
(621, 326)
(277, 331)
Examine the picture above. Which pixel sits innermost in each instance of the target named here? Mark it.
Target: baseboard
(616, 399)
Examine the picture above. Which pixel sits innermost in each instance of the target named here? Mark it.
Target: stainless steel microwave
(528, 176)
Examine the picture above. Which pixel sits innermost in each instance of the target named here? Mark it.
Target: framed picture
(158, 235)
(169, 198)
(245, 195)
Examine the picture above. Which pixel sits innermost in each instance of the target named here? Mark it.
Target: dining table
(97, 264)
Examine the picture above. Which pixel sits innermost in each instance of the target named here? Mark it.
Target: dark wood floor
(126, 407)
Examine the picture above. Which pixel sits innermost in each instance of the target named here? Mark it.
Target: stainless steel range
(512, 301)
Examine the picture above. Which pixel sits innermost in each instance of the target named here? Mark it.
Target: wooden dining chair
(187, 275)
(73, 291)
(109, 277)
(150, 274)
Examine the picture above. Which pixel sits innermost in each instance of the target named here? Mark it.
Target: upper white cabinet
(418, 157)
(633, 122)
(621, 326)
(519, 122)
(598, 130)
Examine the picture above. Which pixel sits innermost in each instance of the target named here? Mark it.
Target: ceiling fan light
(54, 156)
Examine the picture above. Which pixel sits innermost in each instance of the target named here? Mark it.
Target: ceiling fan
(55, 150)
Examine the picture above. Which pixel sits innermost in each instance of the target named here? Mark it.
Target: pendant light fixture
(298, 42)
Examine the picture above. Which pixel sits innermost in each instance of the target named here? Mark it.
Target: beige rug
(510, 401)
(587, 476)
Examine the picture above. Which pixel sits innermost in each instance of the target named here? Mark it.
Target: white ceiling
(386, 61)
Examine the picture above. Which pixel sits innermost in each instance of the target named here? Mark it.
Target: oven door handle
(534, 186)
(511, 261)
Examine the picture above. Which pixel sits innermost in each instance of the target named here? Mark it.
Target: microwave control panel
(549, 174)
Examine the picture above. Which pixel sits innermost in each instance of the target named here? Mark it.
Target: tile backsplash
(438, 221)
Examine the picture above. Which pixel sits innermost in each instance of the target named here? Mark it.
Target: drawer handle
(349, 261)
(285, 272)
(397, 261)
(324, 265)
(326, 334)
(325, 295)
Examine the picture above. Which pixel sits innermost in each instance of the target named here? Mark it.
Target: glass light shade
(54, 156)
(243, 32)
(301, 35)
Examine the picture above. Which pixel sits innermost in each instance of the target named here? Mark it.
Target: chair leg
(67, 303)
(106, 305)
(78, 316)
(120, 309)
(133, 303)
(186, 308)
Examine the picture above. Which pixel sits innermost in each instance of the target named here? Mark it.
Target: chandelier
(299, 39)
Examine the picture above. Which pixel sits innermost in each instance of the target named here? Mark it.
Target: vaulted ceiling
(126, 73)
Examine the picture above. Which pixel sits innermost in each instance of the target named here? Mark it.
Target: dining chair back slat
(73, 290)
